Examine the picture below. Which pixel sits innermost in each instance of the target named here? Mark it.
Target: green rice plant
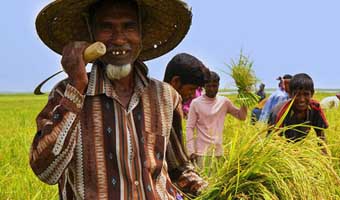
(244, 76)
(17, 129)
(256, 167)
(253, 167)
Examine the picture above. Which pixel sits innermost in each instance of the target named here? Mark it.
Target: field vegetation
(253, 168)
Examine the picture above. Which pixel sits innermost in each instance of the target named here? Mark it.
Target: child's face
(302, 99)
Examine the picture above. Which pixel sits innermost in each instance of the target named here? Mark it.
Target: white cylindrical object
(94, 51)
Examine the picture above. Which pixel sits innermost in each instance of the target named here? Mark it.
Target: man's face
(116, 25)
(302, 99)
(187, 91)
(211, 88)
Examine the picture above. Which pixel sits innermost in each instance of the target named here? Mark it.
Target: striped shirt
(94, 148)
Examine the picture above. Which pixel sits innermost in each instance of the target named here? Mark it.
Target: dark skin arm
(74, 65)
(59, 105)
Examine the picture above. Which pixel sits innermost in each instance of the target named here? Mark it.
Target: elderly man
(105, 135)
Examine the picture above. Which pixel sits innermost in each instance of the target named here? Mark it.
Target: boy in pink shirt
(206, 115)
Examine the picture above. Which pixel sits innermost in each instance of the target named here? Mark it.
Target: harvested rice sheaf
(270, 168)
(244, 76)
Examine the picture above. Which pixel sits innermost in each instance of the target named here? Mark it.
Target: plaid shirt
(94, 148)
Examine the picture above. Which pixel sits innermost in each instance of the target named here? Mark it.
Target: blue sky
(283, 36)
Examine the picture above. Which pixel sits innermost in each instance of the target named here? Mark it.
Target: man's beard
(114, 72)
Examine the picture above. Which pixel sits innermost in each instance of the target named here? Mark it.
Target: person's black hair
(280, 79)
(287, 76)
(301, 81)
(214, 77)
(188, 68)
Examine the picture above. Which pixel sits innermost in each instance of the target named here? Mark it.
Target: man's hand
(74, 65)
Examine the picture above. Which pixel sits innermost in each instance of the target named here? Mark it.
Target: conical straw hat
(164, 24)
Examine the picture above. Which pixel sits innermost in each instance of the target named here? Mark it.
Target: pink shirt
(207, 115)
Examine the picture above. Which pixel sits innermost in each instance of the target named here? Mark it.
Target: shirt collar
(100, 84)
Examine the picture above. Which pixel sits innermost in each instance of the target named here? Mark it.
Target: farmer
(261, 93)
(206, 116)
(330, 102)
(105, 135)
(280, 95)
(256, 112)
(186, 74)
(304, 111)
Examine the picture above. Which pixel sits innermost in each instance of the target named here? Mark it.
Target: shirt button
(110, 156)
(136, 183)
(158, 155)
(114, 181)
(139, 117)
(107, 105)
(109, 130)
(149, 188)
(142, 140)
(56, 116)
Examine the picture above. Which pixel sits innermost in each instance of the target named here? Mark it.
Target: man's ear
(175, 82)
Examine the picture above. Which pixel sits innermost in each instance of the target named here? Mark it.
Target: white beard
(114, 72)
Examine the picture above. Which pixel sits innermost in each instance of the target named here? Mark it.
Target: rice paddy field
(253, 167)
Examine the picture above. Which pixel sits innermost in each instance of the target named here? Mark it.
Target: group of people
(116, 133)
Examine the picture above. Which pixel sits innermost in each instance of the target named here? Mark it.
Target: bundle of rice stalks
(271, 168)
(244, 76)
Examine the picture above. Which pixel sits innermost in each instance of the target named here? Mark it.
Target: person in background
(261, 93)
(280, 95)
(105, 134)
(186, 74)
(206, 116)
(186, 105)
(330, 102)
(256, 112)
(304, 110)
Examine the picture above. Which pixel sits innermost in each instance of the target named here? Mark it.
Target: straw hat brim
(165, 23)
